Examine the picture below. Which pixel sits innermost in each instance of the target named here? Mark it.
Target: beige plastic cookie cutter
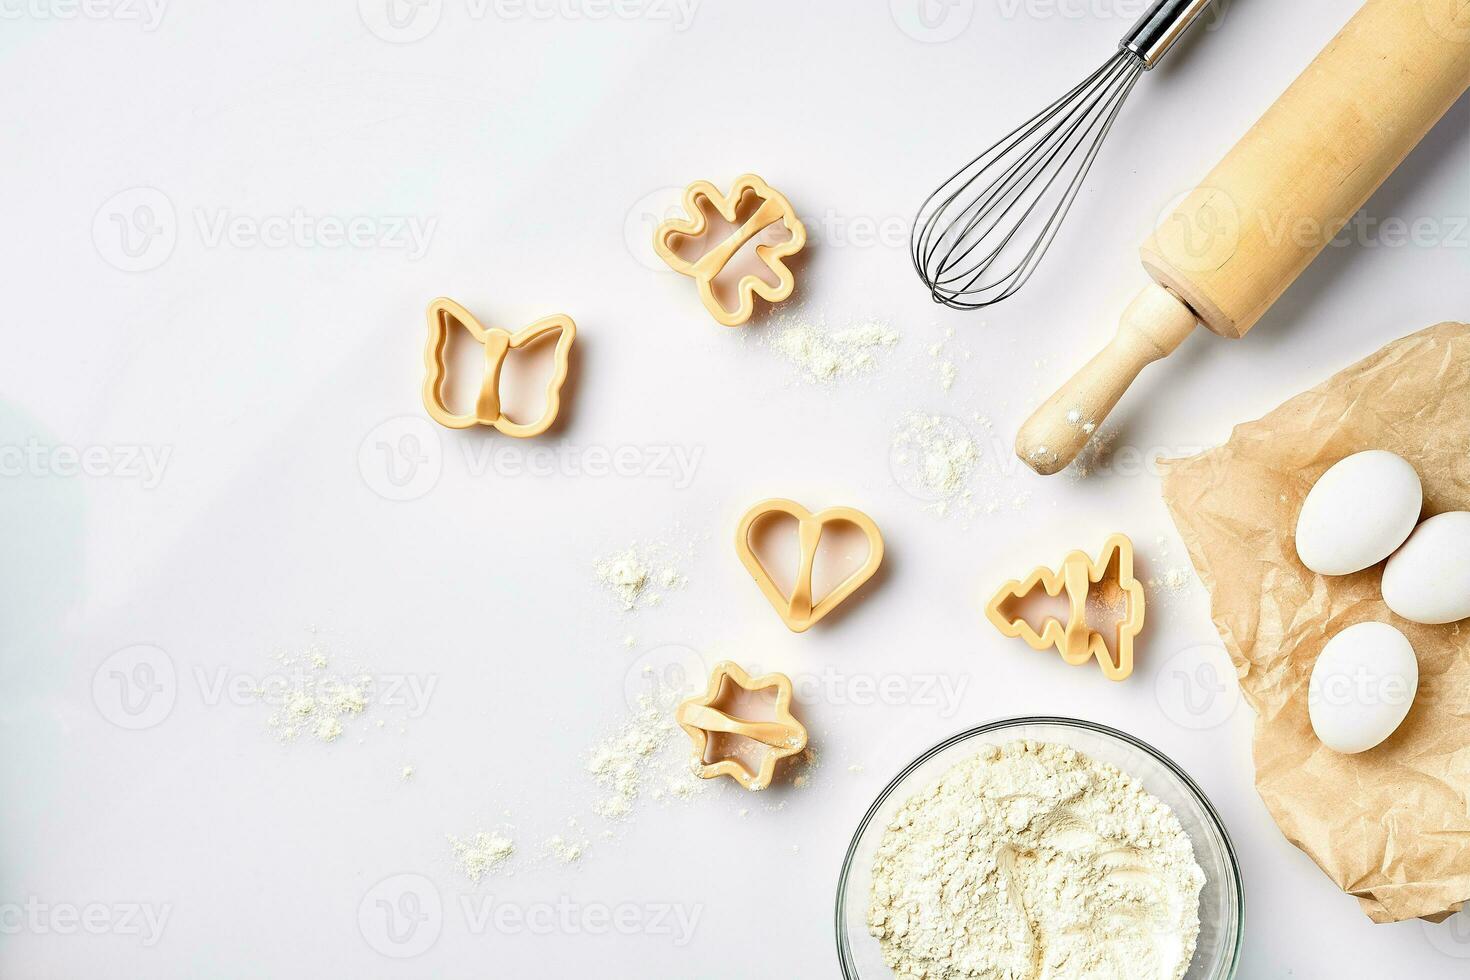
(798, 610)
(773, 208)
(780, 737)
(443, 313)
(1075, 640)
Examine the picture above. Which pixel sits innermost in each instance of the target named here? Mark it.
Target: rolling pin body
(1240, 239)
(1235, 244)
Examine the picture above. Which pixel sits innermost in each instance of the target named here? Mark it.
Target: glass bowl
(1222, 902)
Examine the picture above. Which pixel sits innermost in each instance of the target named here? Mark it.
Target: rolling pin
(1236, 242)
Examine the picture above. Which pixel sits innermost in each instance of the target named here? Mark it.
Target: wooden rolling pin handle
(1153, 327)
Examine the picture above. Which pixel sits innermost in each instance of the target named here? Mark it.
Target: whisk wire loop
(981, 235)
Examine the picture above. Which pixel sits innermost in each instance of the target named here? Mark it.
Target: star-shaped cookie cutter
(798, 610)
(443, 313)
(1076, 641)
(773, 208)
(782, 736)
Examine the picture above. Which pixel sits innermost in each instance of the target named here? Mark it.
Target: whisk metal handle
(1158, 29)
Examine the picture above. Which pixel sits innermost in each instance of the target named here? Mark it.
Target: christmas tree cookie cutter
(1075, 640)
(798, 610)
(780, 737)
(773, 209)
(443, 314)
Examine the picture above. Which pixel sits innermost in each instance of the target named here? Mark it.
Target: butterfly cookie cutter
(773, 209)
(443, 313)
(798, 610)
(1076, 641)
(780, 737)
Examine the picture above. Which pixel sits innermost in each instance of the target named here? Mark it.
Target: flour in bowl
(1033, 861)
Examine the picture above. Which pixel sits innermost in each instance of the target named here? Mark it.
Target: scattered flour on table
(308, 699)
(565, 851)
(639, 575)
(938, 460)
(1032, 861)
(934, 458)
(800, 768)
(646, 756)
(481, 853)
(1168, 580)
(947, 358)
(1097, 456)
(822, 356)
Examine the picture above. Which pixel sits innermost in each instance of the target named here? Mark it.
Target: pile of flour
(1032, 861)
(639, 575)
(822, 356)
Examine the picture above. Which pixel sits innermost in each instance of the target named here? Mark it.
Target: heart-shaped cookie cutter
(798, 610)
(773, 208)
(1075, 640)
(443, 313)
(781, 736)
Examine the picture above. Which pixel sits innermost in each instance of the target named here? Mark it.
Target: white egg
(1362, 687)
(1428, 579)
(1358, 512)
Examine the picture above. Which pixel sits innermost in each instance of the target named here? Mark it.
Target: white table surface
(530, 143)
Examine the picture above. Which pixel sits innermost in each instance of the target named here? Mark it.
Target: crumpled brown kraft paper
(1390, 826)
